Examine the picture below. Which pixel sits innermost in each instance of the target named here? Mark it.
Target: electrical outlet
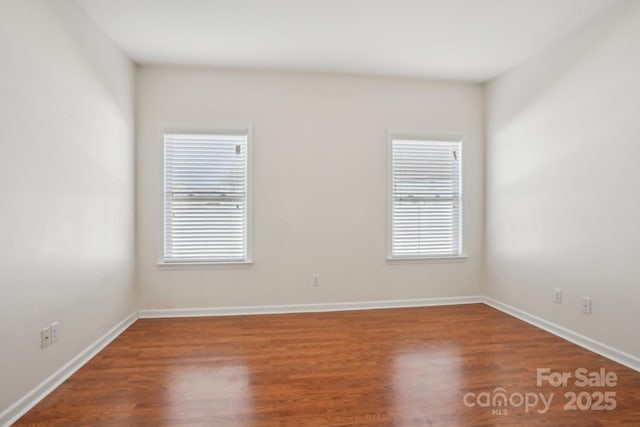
(315, 279)
(557, 295)
(45, 337)
(54, 332)
(586, 305)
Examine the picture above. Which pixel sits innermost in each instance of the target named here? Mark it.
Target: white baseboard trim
(28, 401)
(602, 349)
(305, 308)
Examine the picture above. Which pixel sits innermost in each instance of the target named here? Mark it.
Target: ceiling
(471, 40)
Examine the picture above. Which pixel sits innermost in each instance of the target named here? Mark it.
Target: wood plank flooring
(395, 367)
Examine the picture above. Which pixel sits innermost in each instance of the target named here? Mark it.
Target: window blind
(205, 203)
(426, 198)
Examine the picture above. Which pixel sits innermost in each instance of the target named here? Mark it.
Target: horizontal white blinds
(205, 202)
(426, 198)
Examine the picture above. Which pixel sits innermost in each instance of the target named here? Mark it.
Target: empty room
(320, 213)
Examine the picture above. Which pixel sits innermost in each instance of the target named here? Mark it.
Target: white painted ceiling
(472, 40)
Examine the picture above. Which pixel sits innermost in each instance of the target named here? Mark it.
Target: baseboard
(597, 347)
(305, 308)
(18, 409)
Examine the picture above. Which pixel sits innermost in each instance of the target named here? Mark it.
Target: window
(206, 203)
(426, 198)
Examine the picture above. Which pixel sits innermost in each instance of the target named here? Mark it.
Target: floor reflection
(426, 384)
(221, 392)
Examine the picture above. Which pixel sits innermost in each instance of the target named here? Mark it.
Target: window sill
(203, 265)
(427, 260)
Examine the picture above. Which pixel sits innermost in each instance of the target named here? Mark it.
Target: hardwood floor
(395, 367)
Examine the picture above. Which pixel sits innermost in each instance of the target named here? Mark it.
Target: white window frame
(240, 129)
(423, 136)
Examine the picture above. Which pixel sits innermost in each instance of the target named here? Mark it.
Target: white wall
(563, 207)
(66, 179)
(320, 158)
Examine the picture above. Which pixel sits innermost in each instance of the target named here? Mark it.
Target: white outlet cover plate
(54, 332)
(557, 295)
(45, 337)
